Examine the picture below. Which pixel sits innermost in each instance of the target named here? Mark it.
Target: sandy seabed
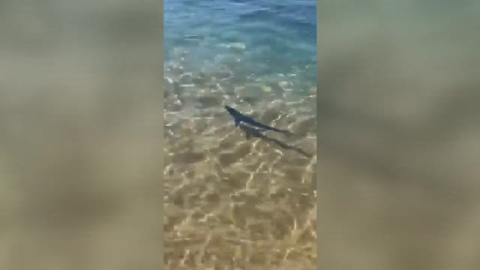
(233, 202)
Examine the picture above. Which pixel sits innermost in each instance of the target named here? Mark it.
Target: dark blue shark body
(239, 118)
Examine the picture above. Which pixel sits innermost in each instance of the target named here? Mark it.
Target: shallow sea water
(233, 202)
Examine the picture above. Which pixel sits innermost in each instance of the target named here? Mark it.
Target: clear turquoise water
(279, 36)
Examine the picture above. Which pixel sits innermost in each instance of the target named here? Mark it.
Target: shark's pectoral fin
(237, 122)
(248, 135)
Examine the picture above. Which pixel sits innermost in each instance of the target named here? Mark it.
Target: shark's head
(231, 110)
(235, 114)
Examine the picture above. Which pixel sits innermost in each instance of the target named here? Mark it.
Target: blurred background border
(398, 100)
(81, 134)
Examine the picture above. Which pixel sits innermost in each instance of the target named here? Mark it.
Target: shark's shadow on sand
(256, 133)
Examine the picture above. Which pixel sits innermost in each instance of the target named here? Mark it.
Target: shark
(238, 117)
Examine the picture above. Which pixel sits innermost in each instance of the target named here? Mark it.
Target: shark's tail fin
(287, 132)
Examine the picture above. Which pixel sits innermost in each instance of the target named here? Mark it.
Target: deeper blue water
(279, 37)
